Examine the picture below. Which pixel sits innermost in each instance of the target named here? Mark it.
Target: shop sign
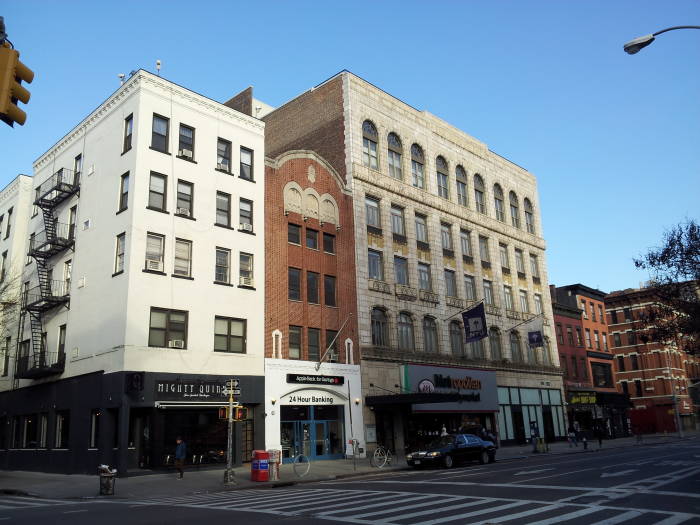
(311, 397)
(582, 398)
(311, 379)
(178, 390)
(477, 387)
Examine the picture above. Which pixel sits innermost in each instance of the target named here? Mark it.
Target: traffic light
(223, 412)
(240, 413)
(12, 73)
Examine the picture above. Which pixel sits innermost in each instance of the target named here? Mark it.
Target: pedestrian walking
(599, 435)
(572, 437)
(180, 455)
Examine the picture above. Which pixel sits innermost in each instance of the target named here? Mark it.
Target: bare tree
(10, 287)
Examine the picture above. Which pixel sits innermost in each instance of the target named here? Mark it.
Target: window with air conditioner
(223, 155)
(246, 269)
(185, 198)
(246, 215)
(167, 328)
(155, 245)
(186, 143)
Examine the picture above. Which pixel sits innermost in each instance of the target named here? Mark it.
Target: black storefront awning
(416, 398)
(613, 400)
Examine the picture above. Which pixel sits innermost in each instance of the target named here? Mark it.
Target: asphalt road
(636, 486)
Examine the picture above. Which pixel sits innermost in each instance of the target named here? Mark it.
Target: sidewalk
(159, 484)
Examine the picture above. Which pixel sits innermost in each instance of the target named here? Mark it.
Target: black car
(454, 448)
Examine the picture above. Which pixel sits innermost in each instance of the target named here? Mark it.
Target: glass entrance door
(314, 438)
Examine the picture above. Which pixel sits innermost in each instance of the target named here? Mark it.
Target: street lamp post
(639, 43)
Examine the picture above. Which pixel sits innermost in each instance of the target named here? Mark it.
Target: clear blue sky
(613, 139)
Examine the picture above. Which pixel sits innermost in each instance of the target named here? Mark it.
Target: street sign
(233, 383)
(234, 392)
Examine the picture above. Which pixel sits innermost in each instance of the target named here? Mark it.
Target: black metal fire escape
(56, 237)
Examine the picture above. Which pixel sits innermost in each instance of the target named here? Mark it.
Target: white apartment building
(145, 288)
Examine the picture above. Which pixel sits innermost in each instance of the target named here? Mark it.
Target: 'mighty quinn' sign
(178, 390)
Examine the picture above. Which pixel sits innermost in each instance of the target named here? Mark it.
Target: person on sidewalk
(180, 455)
(599, 434)
(572, 437)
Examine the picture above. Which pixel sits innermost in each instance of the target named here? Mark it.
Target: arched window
(476, 349)
(495, 343)
(430, 338)
(442, 177)
(456, 339)
(406, 339)
(394, 151)
(529, 216)
(461, 176)
(498, 202)
(515, 349)
(369, 145)
(547, 352)
(514, 209)
(417, 162)
(380, 331)
(479, 201)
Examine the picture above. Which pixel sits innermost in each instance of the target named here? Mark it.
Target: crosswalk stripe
(619, 518)
(415, 499)
(474, 513)
(315, 505)
(569, 516)
(518, 515)
(673, 520)
(424, 512)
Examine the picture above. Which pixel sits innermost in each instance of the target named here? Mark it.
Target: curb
(18, 492)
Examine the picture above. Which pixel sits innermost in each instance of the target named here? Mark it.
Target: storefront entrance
(315, 431)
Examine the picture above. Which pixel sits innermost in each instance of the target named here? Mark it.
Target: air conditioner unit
(221, 166)
(332, 357)
(187, 153)
(245, 226)
(183, 211)
(155, 265)
(176, 343)
(245, 281)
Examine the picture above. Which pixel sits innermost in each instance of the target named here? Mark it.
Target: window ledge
(154, 272)
(224, 226)
(223, 284)
(224, 171)
(121, 211)
(182, 277)
(184, 216)
(128, 150)
(246, 232)
(246, 287)
(158, 210)
(245, 178)
(186, 159)
(228, 352)
(117, 273)
(158, 150)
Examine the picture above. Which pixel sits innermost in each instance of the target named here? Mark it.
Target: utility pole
(231, 389)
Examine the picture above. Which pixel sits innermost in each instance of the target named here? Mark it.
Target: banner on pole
(534, 333)
(475, 323)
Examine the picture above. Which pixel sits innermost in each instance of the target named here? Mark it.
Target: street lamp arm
(639, 43)
(674, 27)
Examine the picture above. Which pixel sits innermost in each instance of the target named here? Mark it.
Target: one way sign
(232, 384)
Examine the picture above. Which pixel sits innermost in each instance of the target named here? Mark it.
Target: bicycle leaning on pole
(382, 457)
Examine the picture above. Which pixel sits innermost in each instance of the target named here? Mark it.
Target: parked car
(451, 449)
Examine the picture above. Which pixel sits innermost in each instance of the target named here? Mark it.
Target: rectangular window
(631, 338)
(593, 312)
(519, 262)
(329, 290)
(168, 328)
(311, 239)
(159, 137)
(5, 363)
(222, 270)
(616, 340)
(638, 388)
(503, 252)
(588, 338)
(446, 236)
(128, 132)
(314, 344)
(312, 287)
(600, 314)
(570, 336)
(223, 209)
(469, 288)
(223, 155)
(119, 253)
(3, 267)
(155, 249)
(508, 294)
(418, 175)
(332, 345)
(424, 280)
(230, 335)
(442, 184)
(295, 342)
(465, 240)
(157, 192)
(584, 309)
(461, 193)
(372, 211)
(394, 161)
(246, 163)
(124, 192)
(94, 429)
(613, 316)
(560, 334)
(9, 223)
(524, 303)
(421, 228)
(61, 431)
(28, 260)
(43, 430)
(628, 314)
(450, 283)
(185, 148)
(534, 267)
(605, 341)
(328, 242)
(634, 362)
(245, 269)
(72, 218)
(538, 304)
(488, 293)
(484, 249)
(294, 277)
(401, 270)
(294, 233)
(574, 366)
(602, 375)
(245, 213)
(620, 363)
(185, 198)
(183, 258)
(397, 221)
(562, 363)
(596, 339)
(77, 166)
(375, 265)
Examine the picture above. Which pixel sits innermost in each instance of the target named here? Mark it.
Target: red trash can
(260, 466)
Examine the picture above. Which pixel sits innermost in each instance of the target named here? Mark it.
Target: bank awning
(416, 398)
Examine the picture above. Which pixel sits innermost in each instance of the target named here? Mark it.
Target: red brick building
(651, 373)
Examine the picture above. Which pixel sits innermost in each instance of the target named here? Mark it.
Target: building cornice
(277, 162)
